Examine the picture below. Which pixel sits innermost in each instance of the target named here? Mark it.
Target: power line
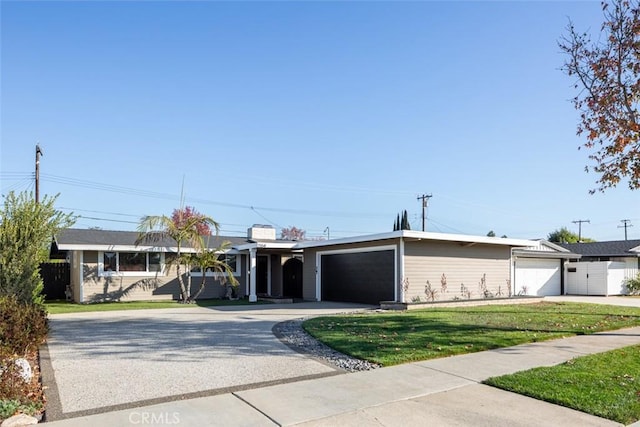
(626, 223)
(152, 194)
(579, 222)
(425, 200)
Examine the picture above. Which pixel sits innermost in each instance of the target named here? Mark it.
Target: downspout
(400, 286)
(512, 274)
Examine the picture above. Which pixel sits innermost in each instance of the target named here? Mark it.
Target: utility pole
(626, 223)
(425, 201)
(38, 154)
(579, 222)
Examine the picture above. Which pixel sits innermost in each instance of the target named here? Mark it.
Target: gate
(56, 277)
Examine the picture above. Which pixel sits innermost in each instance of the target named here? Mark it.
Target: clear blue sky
(307, 114)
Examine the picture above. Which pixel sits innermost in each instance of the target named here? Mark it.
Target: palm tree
(209, 260)
(184, 231)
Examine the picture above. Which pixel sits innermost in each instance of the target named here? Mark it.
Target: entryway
(292, 278)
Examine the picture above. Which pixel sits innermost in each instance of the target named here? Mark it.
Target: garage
(365, 277)
(536, 276)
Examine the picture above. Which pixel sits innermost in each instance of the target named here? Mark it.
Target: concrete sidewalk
(438, 392)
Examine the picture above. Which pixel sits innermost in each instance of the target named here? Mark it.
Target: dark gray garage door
(362, 277)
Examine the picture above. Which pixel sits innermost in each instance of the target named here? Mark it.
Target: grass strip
(64, 307)
(605, 384)
(392, 338)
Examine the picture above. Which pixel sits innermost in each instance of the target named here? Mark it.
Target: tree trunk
(200, 288)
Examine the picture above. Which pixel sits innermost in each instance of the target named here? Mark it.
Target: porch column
(252, 275)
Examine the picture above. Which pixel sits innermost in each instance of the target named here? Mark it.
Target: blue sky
(307, 114)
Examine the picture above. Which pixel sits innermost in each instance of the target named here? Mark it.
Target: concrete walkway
(441, 392)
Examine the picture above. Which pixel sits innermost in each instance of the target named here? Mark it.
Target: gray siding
(460, 265)
(309, 265)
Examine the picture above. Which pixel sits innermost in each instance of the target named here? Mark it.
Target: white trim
(236, 271)
(355, 250)
(81, 272)
(121, 248)
(265, 245)
(252, 275)
(418, 235)
(400, 285)
(103, 273)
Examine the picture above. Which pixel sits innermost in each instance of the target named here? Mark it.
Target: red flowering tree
(293, 233)
(189, 215)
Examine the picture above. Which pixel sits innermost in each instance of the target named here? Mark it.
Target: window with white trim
(231, 259)
(130, 263)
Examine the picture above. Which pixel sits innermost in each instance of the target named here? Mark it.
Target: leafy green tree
(184, 229)
(606, 79)
(210, 260)
(563, 235)
(26, 230)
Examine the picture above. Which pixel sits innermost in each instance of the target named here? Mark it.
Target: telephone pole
(626, 223)
(579, 222)
(38, 154)
(425, 201)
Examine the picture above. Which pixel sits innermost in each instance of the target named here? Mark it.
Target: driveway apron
(108, 360)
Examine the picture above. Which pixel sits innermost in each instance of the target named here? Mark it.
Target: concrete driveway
(104, 361)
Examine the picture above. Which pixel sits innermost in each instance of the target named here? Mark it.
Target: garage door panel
(540, 277)
(361, 277)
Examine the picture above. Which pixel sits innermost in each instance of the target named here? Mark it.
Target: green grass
(606, 384)
(63, 307)
(400, 337)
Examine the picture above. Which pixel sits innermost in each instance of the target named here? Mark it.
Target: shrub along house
(401, 266)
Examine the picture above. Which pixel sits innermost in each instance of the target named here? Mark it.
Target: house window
(232, 260)
(130, 263)
(110, 261)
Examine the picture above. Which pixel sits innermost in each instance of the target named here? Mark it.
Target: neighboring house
(603, 267)
(539, 269)
(401, 266)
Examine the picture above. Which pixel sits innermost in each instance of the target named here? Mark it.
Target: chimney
(261, 232)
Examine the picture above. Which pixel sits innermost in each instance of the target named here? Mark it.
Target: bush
(23, 327)
(633, 285)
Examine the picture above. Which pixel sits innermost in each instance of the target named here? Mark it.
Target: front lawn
(63, 307)
(606, 384)
(400, 337)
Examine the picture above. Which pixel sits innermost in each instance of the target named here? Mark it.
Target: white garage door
(538, 276)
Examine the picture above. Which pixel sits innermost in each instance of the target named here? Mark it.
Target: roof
(411, 235)
(89, 239)
(617, 248)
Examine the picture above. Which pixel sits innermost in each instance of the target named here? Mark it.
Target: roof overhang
(266, 245)
(120, 248)
(410, 235)
(526, 253)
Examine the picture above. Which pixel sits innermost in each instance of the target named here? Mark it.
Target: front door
(262, 275)
(292, 278)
